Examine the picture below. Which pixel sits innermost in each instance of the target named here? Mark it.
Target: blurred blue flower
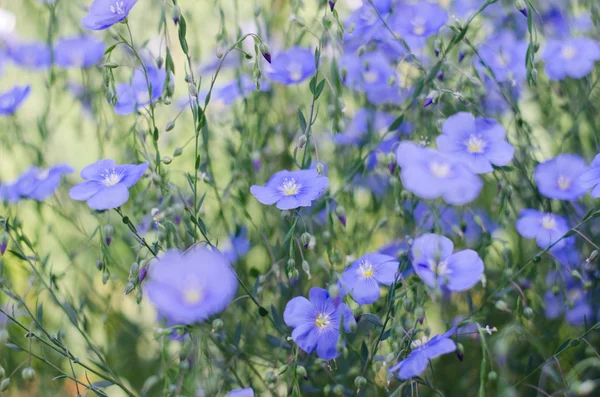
(545, 227)
(364, 276)
(422, 352)
(247, 392)
(11, 100)
(292, 66)
(107, 184)
(39, 184)
(476, 142)
(291, 189)
(78, 52)
(573, 57)
(560, 177)
(437, 266)
(430, 175)
(316, 322)
(33, 55)
(237, 246)
(477, 221)
(416, 22)
(131, 97)
(368, 122)
(105, 13)
(362, 27)
(371, 73)
(505, 56)
(575, 306)
(187, 288)
(590, 179)
(234, 90)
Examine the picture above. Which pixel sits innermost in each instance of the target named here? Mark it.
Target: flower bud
(192, 90)
(431, 98)
(142, 274)
(302, 141)
(352, 326)
(306, 268)
(28, 373)
(257, 10)
(338, 389)
(340, 211)
(99, 264)
(492, 376)
(420, 314)
(460, 351)
(109, 230)
(291, 263)
(299, 21)
(3, 243)
(4, 336)
(167, 160)
(170, 125)
(360, 381)
(320, 168)
(332, 4)
(265, 51)
(160, 62)
(129, 287)
(177, 152)
(501, 305)
(305, 239)
(176, 14)
(407, 304)
(301, 371)
(217, 324)
(528, 312)
(520, 5)
(105, 277)
(334, 290)
(5, 384)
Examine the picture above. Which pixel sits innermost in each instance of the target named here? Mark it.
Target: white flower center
(193, 295)
(549, 222)
(568, 52)
(294, 70)
(475, 144)
(118, 8)
(111, 177)
(365, 269)
(370, 76)
(323, 320)
(563, 182)
(289, 186)
(418, 342)
(502, 60)
(440, 268)
(418, 27)
(440, 170)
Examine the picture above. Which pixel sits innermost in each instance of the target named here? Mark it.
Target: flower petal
(109, 197)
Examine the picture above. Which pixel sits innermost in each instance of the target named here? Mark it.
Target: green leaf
(319, 89)
(364, 352)
(302, 120)
(71, 313)
(394, 126)
(373, 319)
(564, 346)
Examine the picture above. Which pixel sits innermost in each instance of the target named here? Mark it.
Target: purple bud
(440, 76)
(460, 356)
(267, 56)
(107, 240)
(142, 274)
(524, 12)
(461, 56)
(3, 248)
(342, 219)
(428, 101)
(437, 53)
(177, 219)
(331, 5)
(391, 167)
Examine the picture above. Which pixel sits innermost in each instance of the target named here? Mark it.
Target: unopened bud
(586, 387)
(265, 51)
(360, 381)
(105, 277)
(193, 90)
(501, 305)
(28, 373)
(217, 324)
(592, 256)
(109, 230)
(176, 14)
(4, 336)
(306, 268)
(492, 376)
(170, 125)
(99, 264)
(520, 5)
(301, 371)
(302, 141)
(340, 211)
(528, 312)
(5, 384)
(332, 4)
(334, 290)
(305, 239)
(460, 351)
(160, 62)
(407, 304)
(3, 243)
(320, 168)
(142, 274)
(431, 98)
(219, 52)
(167, 160)
(177, 152)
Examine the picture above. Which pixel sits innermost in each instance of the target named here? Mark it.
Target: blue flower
(292, 66)
(105, 13)
(422, 352)
(505, 55)
(362, 27)
(11, 100)
(107, 184)
(416, 22)
(573, 57)
(437, 266)
(363, 278)
(430, 175)
(575, 307)
(560, 178)
(545, 227)
(291, 189)
(590, 179)
(187, 288)
(39, 184)
(131, 97)
(78, 52)
(247, 392)
(36, 56)
(365, 123)
(234, 90)
(316, 322)
(237, 246)
(371, 74)
(478, 143)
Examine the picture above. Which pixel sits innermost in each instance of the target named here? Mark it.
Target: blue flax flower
(545, 227)
(436, 265)
(477, 142)
(365, 123)
(78, 52)
(505, 56)
(38, 184)
(131, 97)
(363, 278)
(590, 179)
(430, 174)
(292, 66)
(573, 57)
(416, 22)
(316, 322)
(107, 184)
(105, 13)
(246, 392)
(187, 288)
(575, 307)
(33, 55)
(422, 352)
(237, 246)
(560, 178)
(291, 189)
(11, 100)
